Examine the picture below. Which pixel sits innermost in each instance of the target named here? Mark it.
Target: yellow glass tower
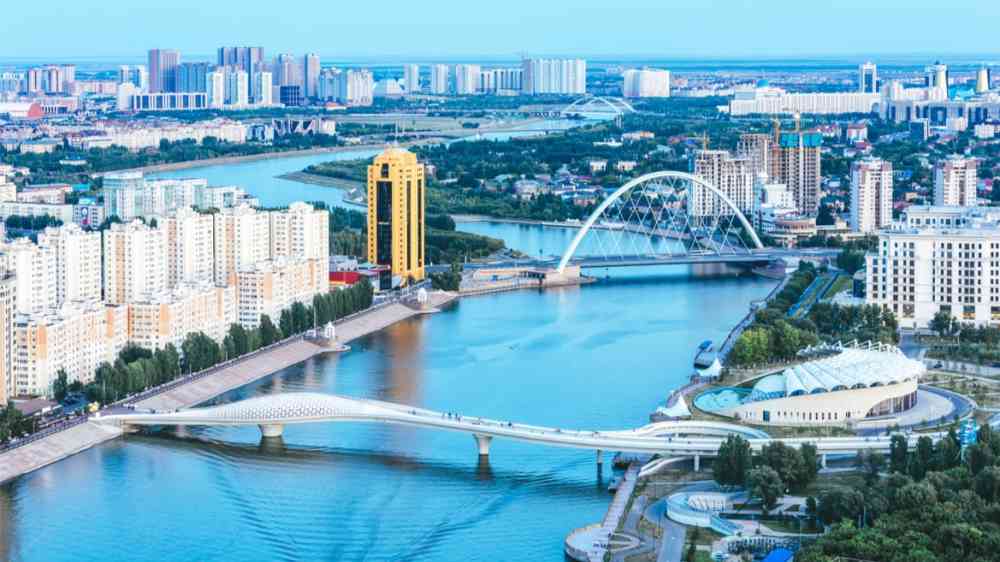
(396, 213)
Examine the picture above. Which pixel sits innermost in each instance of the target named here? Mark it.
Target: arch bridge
(598, 105)
(693, 439)
(666, 217)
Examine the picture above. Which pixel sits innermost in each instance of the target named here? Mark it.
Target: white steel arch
(615, 105)
(568, 254)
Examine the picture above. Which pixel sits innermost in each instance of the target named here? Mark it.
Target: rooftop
(842, 367)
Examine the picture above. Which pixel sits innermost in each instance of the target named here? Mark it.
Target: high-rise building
(75, 338)
(554, 76)
(192, 76)
(163, 70)
(270, 286)
(941, 259)
(156, 320)
(871, 195)
(732, 176)
(466, 79)
(411, 78)
(35, 269)
(302, 232)
(352, 87)
(439, 79)
(796, 163)
(955, 180)
(287, 70)
(396, 213)
(8, 288)
(936, 80)
(262, 88)
(242, 238)
(757, 148)
(78, 262)
(135, 262)
(983, 79)
(247, 59)
(646, 83)
(868, 78)
(190, 243)
(310, 74)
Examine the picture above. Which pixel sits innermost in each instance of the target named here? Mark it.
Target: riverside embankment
(209, 384)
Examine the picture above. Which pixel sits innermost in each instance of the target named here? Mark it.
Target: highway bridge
(691, 439)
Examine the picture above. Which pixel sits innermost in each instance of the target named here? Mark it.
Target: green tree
(733, 461)
(60, 386)
(809, 468)
(765, 484)
(898, 452)
(943, 323)
(240, 340)
(840, 503)
(784, 460)
(268, 332)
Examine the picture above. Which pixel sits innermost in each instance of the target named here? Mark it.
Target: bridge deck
(685, 438)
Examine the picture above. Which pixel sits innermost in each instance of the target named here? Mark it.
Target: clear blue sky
(339, 29)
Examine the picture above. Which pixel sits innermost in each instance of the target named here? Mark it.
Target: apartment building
(78, 262)
(955, 181)
(169, 316)
(871, 195)
(135, 262)
(242, 238)
(34, 268)
(76, 338)
(732, 176)
(268, 287)
(190, 247)
(936, 261)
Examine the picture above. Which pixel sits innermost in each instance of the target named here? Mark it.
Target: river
(600, 356)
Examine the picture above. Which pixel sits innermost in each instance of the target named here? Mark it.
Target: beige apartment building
(242, 238)
(871, 195)
(34, 268)
(302, 232)
(76, 338)
(272, 286)
(732, 176)
(190, 246)
(955, 180)
(78, 262)
(135, 262)
(8, 287)
(168, 317)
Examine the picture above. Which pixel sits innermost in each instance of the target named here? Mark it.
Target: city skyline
(750, 30)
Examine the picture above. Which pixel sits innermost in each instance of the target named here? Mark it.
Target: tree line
(137, 369)
(774, 337)
(935, 504)
(768, 476)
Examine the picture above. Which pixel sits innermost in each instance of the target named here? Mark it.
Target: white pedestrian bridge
(271, 413)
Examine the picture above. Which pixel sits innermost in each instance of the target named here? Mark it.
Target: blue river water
(600, 356)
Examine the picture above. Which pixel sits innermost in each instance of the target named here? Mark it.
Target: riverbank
(81, 437)
(173, 166)
(354, 189)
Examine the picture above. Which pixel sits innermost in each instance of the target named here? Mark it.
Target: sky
(502, 29)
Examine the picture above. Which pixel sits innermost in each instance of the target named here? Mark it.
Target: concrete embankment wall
(53, 448)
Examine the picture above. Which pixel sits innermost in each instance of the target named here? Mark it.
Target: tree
(851, 260)
(923, 460)
(874, 461)
(898, 452)
(784, 460)
(840, 503)
(268, 332)
(987, 484)
(753, 347)
(285, 323)
(240, 340)
(733, 461)
(60, 386)
(979, 457)
(765, 483)
(943, 323)
(809, 467)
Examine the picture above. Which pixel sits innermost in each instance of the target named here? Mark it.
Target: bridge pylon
(483, 444)
(271, 430)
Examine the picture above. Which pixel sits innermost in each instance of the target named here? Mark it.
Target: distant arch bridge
(598, 105)
(669, 217)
